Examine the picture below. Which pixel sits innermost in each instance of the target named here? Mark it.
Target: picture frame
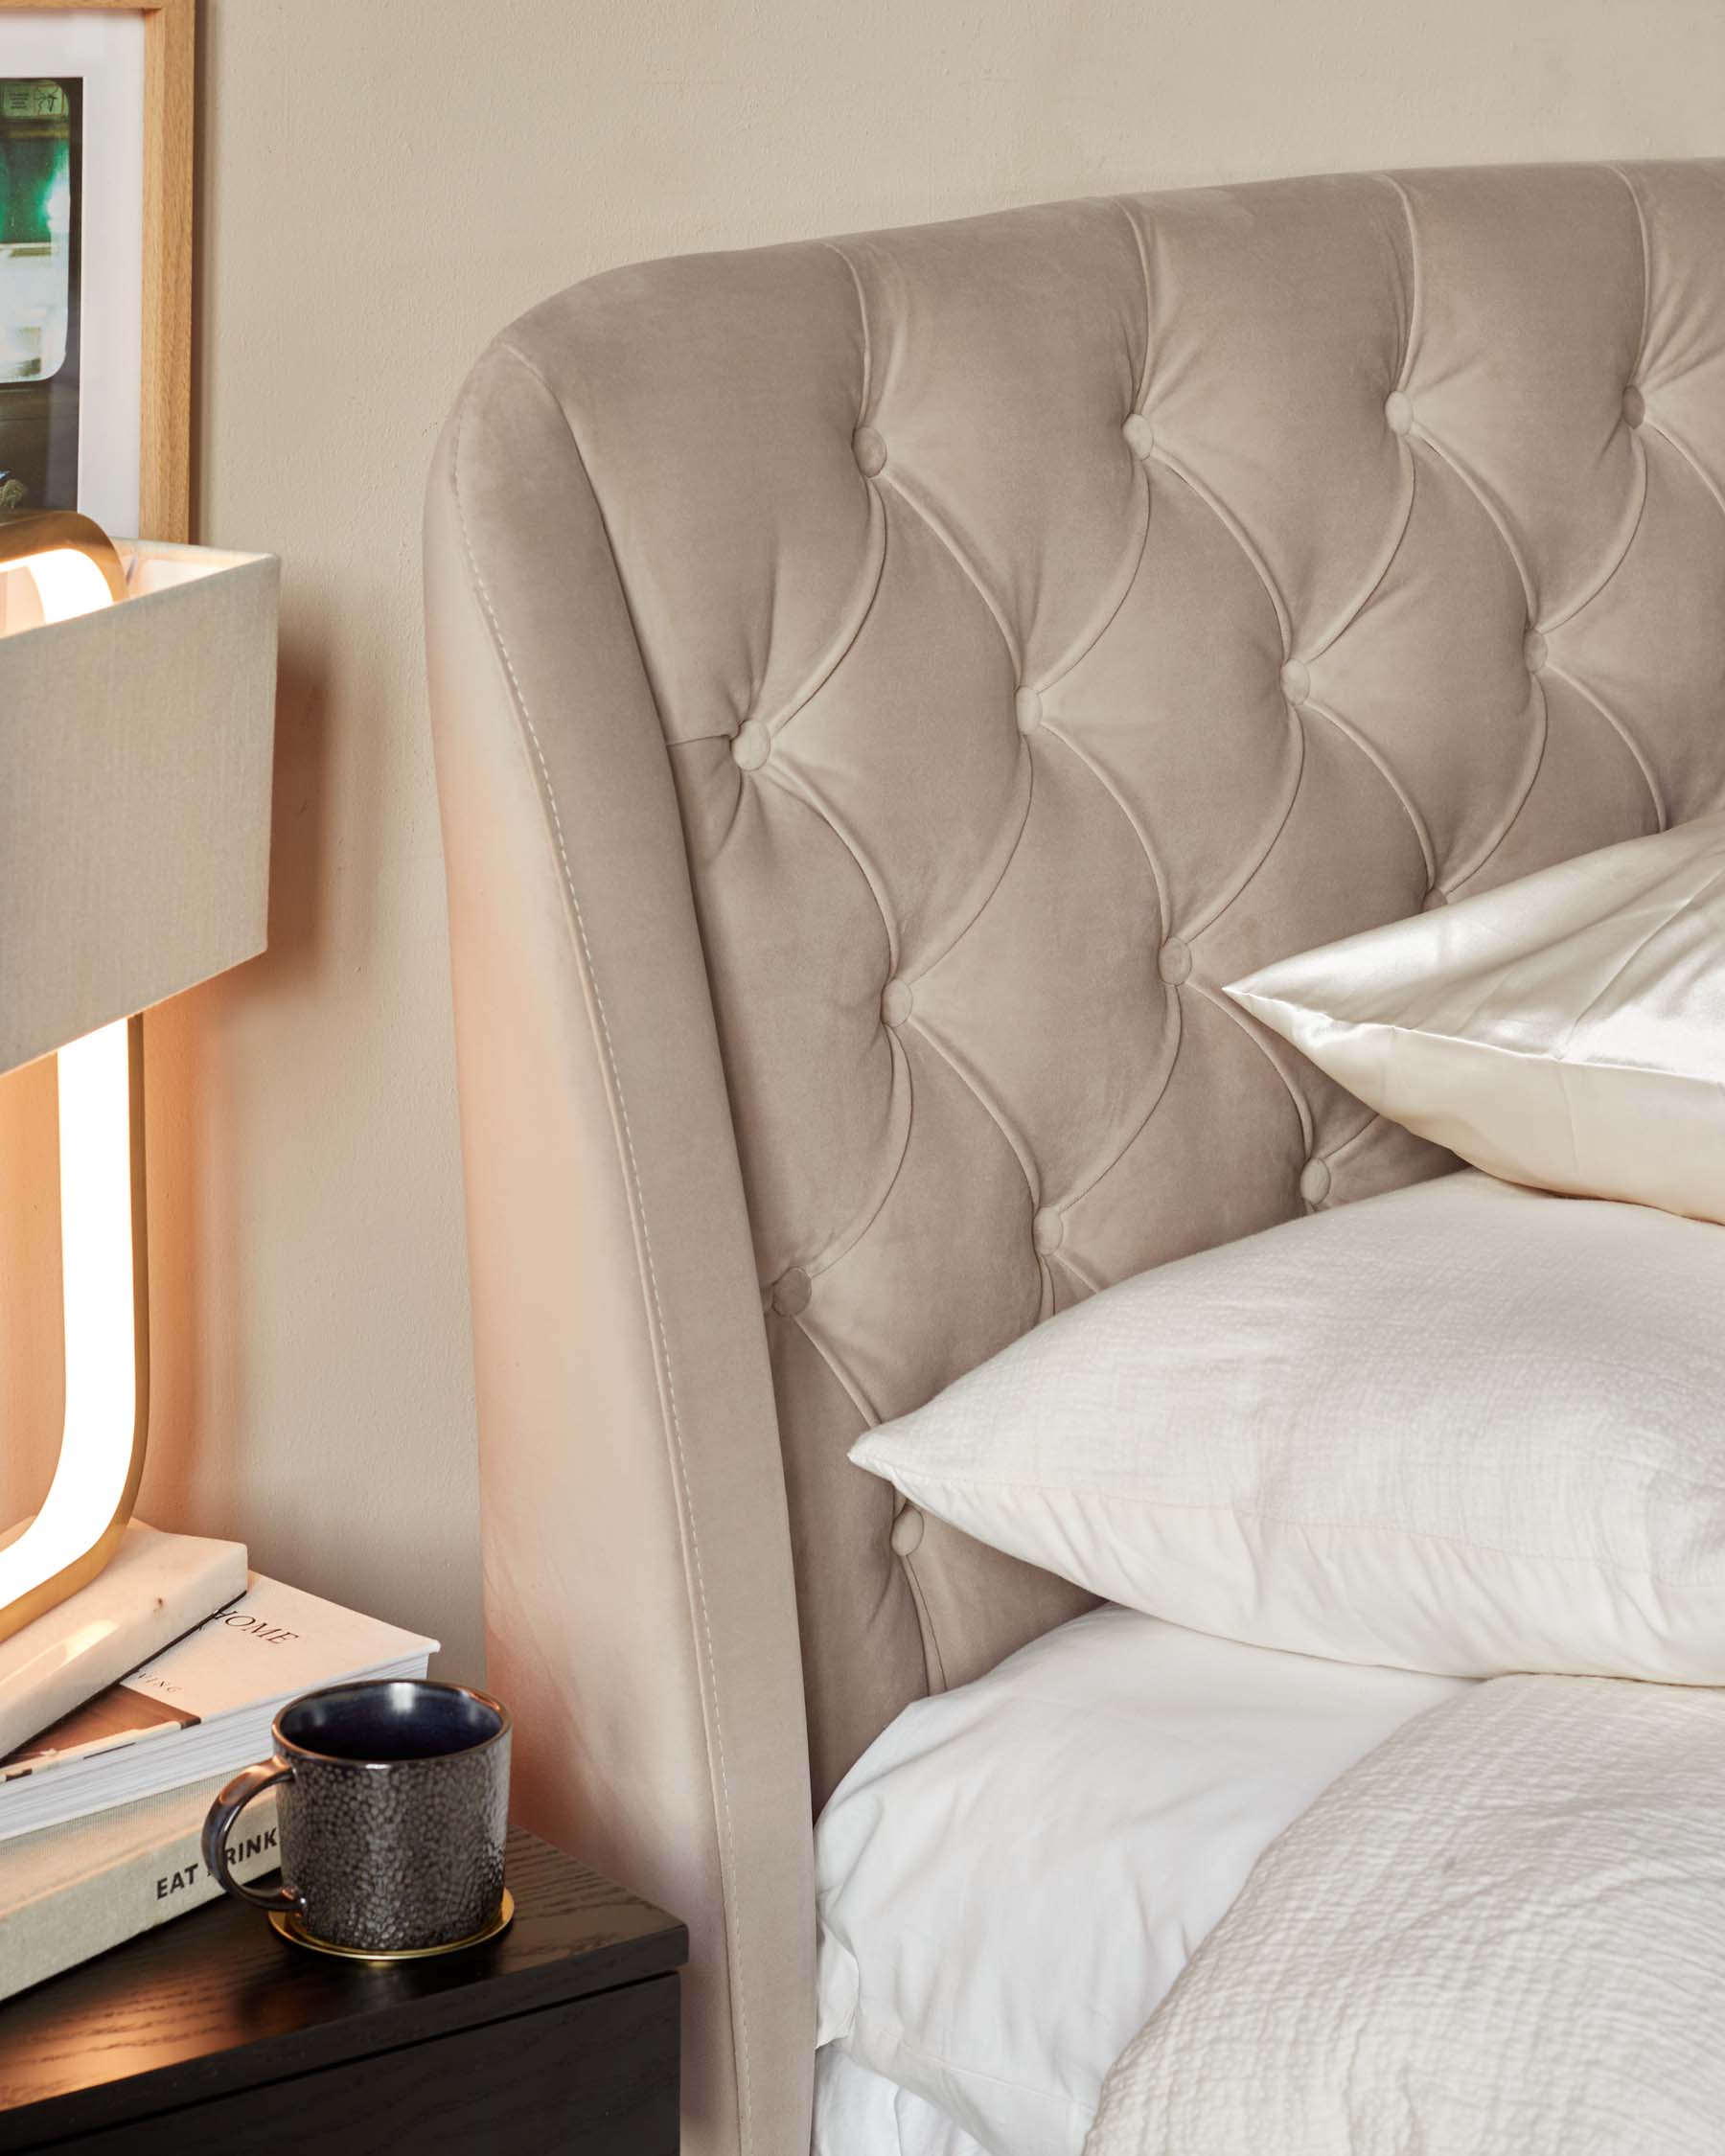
(122, 307)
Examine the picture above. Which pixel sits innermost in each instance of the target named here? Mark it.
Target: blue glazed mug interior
(378, 1723)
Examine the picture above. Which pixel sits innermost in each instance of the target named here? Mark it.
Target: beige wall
(387, 181)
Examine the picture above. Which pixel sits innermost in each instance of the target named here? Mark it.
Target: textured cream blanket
(1501, 1935)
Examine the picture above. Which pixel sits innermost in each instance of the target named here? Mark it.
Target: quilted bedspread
(1503, 1934)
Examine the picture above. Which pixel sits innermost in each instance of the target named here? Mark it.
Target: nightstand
(212, 2036)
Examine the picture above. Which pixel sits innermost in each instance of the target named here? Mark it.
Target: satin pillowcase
(1464, 1427)
(1566, 1030)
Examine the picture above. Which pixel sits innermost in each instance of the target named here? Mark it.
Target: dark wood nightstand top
(215, 2003)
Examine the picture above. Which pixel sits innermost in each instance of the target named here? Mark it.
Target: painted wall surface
(384, 183)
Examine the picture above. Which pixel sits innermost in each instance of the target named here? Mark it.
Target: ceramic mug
(392, 1801)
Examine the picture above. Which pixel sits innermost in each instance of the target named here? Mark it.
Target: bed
(882, 688)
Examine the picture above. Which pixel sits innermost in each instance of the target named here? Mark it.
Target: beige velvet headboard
(883, 688)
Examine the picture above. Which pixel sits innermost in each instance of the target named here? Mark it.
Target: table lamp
(137, 712)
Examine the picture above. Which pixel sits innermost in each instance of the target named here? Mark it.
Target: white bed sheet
(1015, 1873)
(857, 2113)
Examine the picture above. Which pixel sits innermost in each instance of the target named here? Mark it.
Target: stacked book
(101, 1813)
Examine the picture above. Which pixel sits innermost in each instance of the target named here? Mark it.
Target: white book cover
(72, 1892)
(202, 1707)
(151, 1591)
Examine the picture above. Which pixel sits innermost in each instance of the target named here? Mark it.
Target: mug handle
(220, 1823)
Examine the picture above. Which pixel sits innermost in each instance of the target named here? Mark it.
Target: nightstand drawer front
(597, 2077)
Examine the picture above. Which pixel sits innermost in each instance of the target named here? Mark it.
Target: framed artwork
(96, 150)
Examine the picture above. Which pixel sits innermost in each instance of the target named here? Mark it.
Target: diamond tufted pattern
(1006, 633)
(1116, 596)
(1068, 611)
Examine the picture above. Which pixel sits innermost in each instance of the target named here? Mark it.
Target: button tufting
(791, 1293)
(908, 630)
(1533, 650)
(752, 745)
(906, 1532)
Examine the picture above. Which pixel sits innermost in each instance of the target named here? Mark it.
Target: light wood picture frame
(164, 450)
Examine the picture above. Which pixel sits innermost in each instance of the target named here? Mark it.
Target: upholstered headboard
(883, 689)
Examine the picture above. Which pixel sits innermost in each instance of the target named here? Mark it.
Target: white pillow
(1462, 1427)
(1014, 1873)
(1566, 1030)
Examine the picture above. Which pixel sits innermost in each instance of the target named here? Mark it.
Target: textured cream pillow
(1464, 1427)
(1566, 1030)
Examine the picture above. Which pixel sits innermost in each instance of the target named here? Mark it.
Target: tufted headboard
(883, 688)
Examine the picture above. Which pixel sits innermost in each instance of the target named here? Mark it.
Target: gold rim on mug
(286, 1923)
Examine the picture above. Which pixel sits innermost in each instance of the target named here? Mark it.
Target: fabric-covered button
(1398, 411)
(896, 1002)
(1140, 436)
(1533, 650)
(791, 1293)
(752, 745)
(1314, 1181)
(870, 451)
(906, 1532)
(1174, 961)
(1296, 682)
(1026, 707)
(1635, 406)
(1048, 1230)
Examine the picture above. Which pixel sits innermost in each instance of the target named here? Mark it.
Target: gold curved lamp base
(105, 1257)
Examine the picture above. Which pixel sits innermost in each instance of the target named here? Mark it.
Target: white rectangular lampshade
(135, 756)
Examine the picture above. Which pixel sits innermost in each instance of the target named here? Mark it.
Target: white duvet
(1501, 1935)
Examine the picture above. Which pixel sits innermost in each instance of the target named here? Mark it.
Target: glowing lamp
(137, 701)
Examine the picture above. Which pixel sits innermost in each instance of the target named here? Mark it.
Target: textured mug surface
(393, 1801)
